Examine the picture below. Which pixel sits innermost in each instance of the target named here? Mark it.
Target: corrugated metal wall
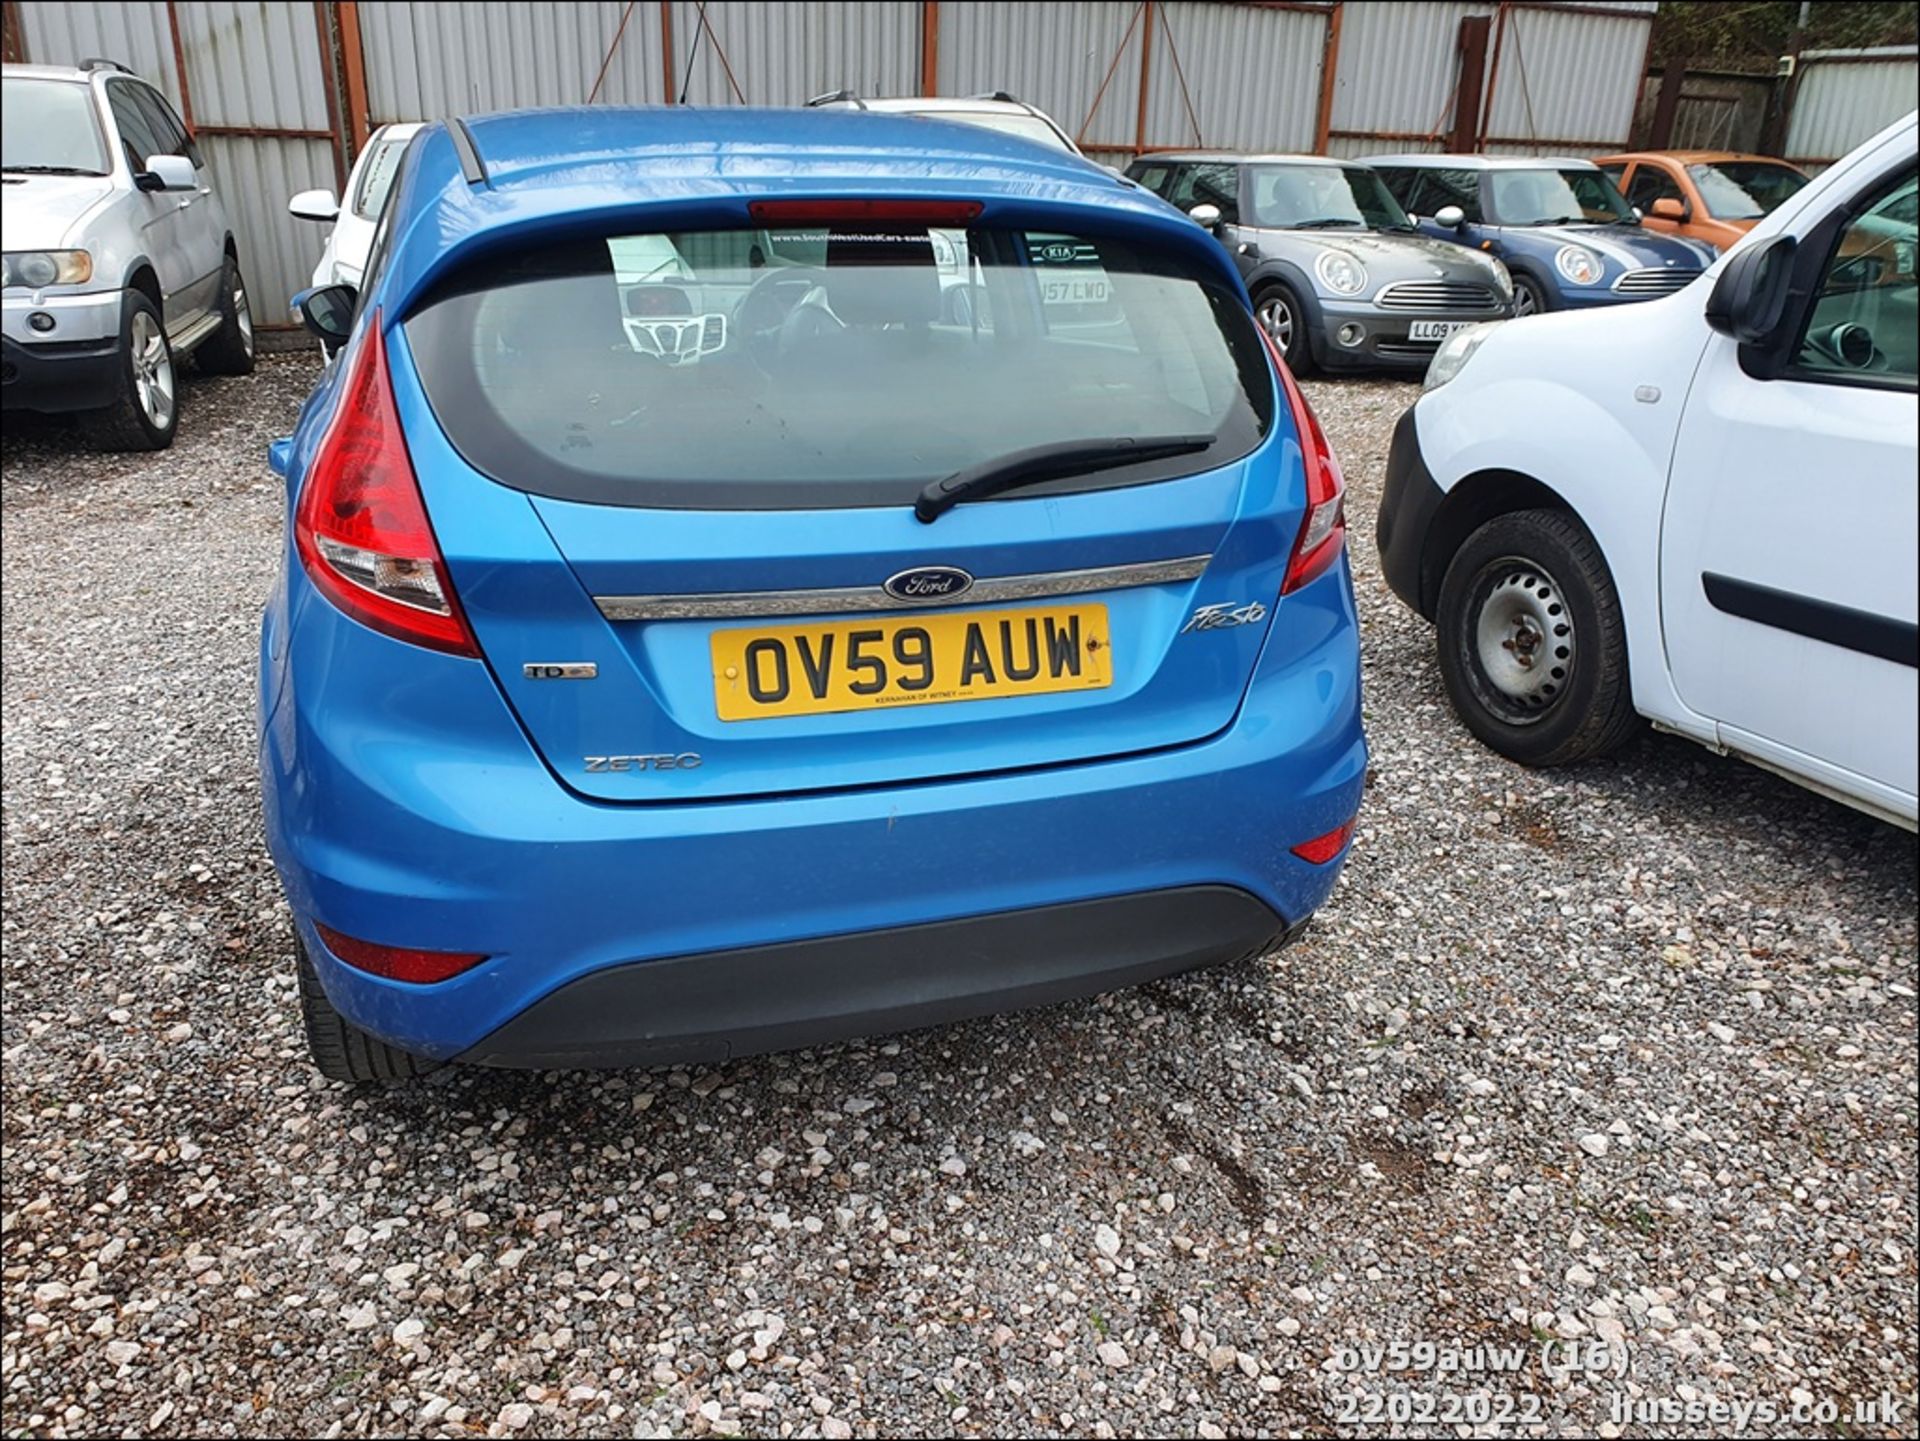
(787, 54)
(1056, 56)
(250, 67)
(1565, 80)
(428, 60)
(1252, 76)
(1846, 97)
(1396, 76)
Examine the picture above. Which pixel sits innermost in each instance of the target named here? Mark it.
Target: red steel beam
(336, 142)
(180, 65)
(930, 47)
(354, 59)
(666, 47)
(1329, 76)
(1146, 74)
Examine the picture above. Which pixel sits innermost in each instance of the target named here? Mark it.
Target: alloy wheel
(152, 370)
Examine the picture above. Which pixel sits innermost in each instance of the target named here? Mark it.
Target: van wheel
(1277, 309)
(230, 351)
(341, 1050)
(1529, 296)
(1532, 646)
(146, 410)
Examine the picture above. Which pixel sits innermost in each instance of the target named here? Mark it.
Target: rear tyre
(341, 1050)
(146, 406)
(230, 351)
(1279, 313)
(1529, 296)
(1532, 646)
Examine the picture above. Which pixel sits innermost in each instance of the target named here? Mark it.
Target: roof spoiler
(837, 97)
(100, 62)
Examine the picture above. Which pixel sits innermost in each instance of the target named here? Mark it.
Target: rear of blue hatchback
(754, 579)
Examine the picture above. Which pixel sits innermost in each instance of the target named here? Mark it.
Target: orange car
(1710, 195)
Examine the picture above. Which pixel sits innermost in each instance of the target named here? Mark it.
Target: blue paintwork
(417, 798)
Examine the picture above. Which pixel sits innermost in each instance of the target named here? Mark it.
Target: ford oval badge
(929, 583)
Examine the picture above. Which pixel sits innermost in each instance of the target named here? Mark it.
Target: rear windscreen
(816, 366)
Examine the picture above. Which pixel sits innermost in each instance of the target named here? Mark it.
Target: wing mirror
(327, 312)
(1205, 216)
(314, 205)
(167, 172)
(1451, 216)
(1667, 208)
(1750, 297)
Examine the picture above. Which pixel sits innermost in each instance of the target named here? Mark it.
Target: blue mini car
(1562, 229)
(754, 578)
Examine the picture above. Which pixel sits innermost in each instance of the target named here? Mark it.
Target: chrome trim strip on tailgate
(737, 605)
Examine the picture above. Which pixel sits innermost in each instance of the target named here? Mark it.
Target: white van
(1700, 510)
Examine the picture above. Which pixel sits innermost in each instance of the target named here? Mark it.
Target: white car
(344, 258)
(998, 111)
(1700, 510)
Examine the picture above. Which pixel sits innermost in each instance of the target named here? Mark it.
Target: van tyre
(230, 351)
(341, 1050)
(1533, 649)
(146, 406)
(1279, 312)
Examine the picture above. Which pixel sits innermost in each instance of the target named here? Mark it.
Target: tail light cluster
(1323, 533)
(361, 526)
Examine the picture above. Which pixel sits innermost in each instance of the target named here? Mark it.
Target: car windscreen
(376, 175)
(1323, 197)
(1744, 189)
(1549, 196)
(49, 127)
(813, 366)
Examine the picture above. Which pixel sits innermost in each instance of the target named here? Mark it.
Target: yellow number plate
(781, 670)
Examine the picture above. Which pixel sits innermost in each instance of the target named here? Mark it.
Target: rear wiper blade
(1326, 222)
(1048, 462)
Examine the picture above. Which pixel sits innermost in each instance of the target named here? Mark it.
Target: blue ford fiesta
(753, 578)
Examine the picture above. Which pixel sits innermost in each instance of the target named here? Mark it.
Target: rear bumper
(710, 1007)
(404, 805)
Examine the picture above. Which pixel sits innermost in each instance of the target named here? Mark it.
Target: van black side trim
(1822, 620)
(471, 166)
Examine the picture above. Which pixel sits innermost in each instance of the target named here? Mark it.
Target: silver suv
(1338, 275)
(120, 260)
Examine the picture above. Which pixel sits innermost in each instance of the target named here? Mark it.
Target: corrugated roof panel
(255, 177)
(1566, 77)
(1252, 76)
(254, 64)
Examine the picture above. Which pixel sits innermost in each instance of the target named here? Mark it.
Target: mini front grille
(1654, 282)
(1437, 295)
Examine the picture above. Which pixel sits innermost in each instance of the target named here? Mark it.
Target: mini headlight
(1582, 267)
(1454, 353)
(1502, 276)
(36, 268)
(1340, 272)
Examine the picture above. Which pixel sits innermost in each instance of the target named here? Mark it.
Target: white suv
(119, 257)
(1700, 509)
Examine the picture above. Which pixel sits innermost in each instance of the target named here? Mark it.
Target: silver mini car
(1339, 277)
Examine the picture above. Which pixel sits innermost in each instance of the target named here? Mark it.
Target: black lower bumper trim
(723, 1004)
(59, 377)
(1408, 503)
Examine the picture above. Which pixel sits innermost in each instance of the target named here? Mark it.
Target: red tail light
(822, 212)
(1322, 849)
(362, 528)
(397, 963)
(1323, 534)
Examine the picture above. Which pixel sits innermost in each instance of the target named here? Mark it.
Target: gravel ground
(1623, 1053)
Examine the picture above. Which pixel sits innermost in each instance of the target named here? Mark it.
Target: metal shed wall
(787, 54)
(1565, 79)
(1251, 75)
(1056, 56)
(1847, 96)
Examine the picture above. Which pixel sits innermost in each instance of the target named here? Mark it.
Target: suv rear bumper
(710, 1007)
(405, 806)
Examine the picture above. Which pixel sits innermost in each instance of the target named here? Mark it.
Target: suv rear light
(1323, 533)
(362, 528)
(397, 963)
(1322, 849)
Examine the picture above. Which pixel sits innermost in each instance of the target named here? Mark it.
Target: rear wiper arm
(1048, 462)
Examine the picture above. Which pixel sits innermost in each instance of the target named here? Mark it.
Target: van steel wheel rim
(1276, 318)
(152, 370)
(1523, 638)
